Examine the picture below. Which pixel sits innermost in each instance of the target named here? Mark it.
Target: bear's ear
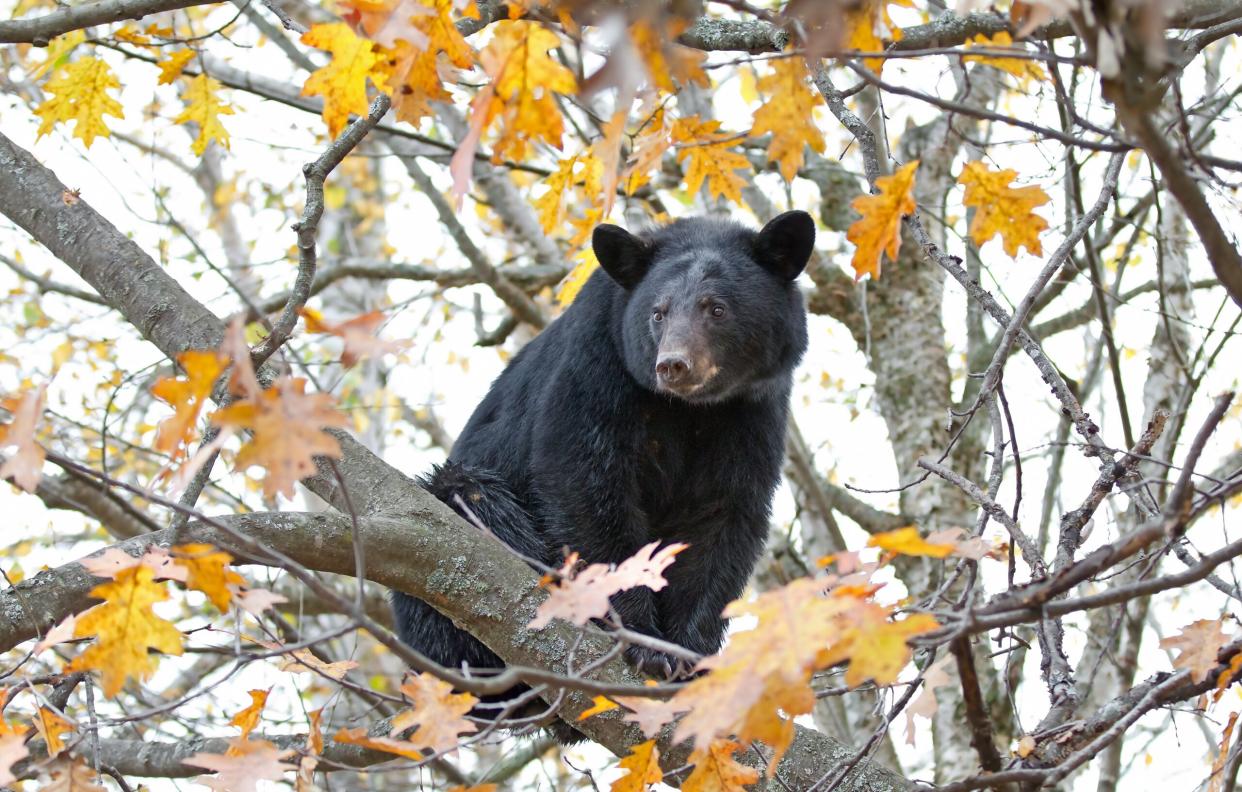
(623, 256)
(784, 244)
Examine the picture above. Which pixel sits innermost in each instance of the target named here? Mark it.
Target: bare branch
(40, 30)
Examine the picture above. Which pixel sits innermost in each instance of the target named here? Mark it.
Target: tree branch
(40, 30)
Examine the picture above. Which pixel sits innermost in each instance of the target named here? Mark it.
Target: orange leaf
(716, 771)
(643, 766)
(360, 335)
(206, 571)
(907, 541)
(186, 396)
(248, 719)
(1001, 209)
(667, 62)
(360, 738)
(879, 229)
(125, 628)
(415, 80)
(600, 704)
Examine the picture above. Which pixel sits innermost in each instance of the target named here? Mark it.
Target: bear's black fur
(654, 408)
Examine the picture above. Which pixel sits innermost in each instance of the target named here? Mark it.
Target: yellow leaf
(716, 771)
(204, 108)
(126, 33)
(879, 229)
(868, 27)
(1001, 209)
(643, 764)
(343, 82)
(583, 169)
(79, 92)
(601, 704)
(51, 727)
(710, 159)
(1026, 746)
(907, 541)
(125, 628)
(206, 571)
(788, 115)
(1024, 69)
(877, 646)
(524, 79)
(577, 277)
(202, 368)
(172, 66)
(668, 63)
(57, 51)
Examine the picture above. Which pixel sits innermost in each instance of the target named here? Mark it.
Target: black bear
(654, 408)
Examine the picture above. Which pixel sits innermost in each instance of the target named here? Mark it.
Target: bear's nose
(672, 368)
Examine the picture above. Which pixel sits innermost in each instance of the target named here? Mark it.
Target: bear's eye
(718, 311)
(657, 315)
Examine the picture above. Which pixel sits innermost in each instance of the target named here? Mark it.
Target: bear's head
(710, 309)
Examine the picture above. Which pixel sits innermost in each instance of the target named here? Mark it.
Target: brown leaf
(247, 763)
(1197, 644)
(438, 711)
(584, 596)
(25, 465)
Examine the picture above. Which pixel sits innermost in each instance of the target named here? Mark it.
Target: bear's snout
(673, 369)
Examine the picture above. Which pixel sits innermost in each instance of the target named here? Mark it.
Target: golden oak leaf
(79, 93)
(416, 81)
(186, 396)
(388, 21)
(343, 82)
(360, 738)
(1024, 69)
(649, 147)
(643, 766)
(710, 158)
(876, 647)
(908, 541)
(1001, 209)
(868, 26)
(125, 629)
(438, 711)
(599, 704)
(879, 229)
(56, 52)
(207, 571)
(360, 334)
(524, 79)
(203, 108)
(246, 763)
(584, 595)
(1197, 645)
(248, 719)
(287, 425)
(128, 34)
(770, 720)
(1227, 676)
(581, 169)
(668, 63)
(51, 727)
(71, 775)
(172, 66)
(12, 750)
(788, 115)
(25, 464)
(716, 771)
